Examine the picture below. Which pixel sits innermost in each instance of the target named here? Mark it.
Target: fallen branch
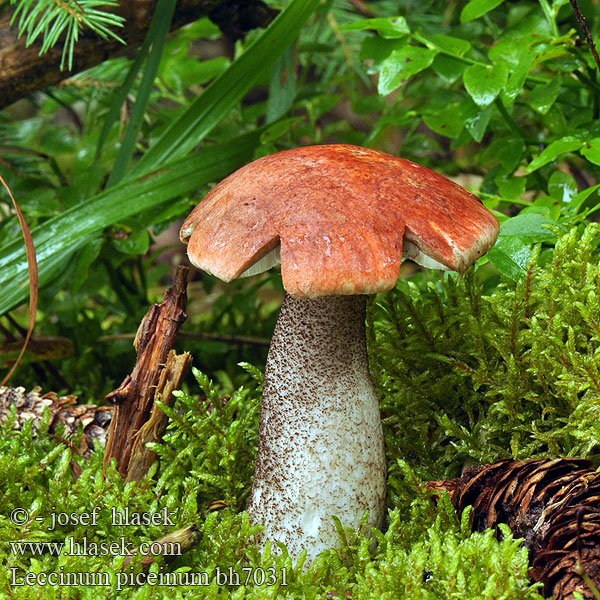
(202, 335)
(23, 71)
(586, 32)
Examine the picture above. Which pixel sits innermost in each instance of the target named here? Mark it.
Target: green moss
(464, 377)
(467, 378)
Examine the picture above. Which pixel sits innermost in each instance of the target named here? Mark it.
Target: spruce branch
(52, 19)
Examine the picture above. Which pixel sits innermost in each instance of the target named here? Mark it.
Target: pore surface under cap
(341, 214)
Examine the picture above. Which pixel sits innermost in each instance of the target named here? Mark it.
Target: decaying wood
(174, 544)
(134, 398)
(23, 71)
(554, 505)
(30, 406)
(170, 378)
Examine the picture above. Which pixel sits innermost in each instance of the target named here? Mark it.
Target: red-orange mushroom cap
(341, 215)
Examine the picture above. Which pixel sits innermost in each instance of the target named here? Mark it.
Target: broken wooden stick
(157, 372)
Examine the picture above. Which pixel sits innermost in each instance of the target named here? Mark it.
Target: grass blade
(56, 239)
(121, 94)
(222, 95)
(158, 31)
(33, 280)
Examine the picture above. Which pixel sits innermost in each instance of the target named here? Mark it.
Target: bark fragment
(157, 372)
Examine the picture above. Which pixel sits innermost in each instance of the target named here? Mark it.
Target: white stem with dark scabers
(320, 442)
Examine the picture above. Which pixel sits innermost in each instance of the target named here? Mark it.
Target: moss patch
(464, 377)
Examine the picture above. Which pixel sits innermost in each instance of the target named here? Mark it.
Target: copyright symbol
(19, 516)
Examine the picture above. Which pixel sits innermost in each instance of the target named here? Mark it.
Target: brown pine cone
(95, 420)
(553, 504)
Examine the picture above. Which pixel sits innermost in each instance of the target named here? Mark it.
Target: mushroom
(337, 218)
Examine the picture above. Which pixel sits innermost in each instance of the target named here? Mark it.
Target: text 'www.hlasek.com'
(128, 575)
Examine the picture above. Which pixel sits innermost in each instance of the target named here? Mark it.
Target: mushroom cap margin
(340, 214)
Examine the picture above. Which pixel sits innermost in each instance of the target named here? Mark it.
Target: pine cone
(553, 504)
(95, 420)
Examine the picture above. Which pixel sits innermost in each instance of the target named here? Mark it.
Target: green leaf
(551, 52)
(543, 96)
(509, 50)
(224, 93)
(580, 198)
(449, 69)
(376, 50)
(368, 104)
(568, 143)
(447, 43)
(282, 89)
(276, 130)
(390, 28)
(158, 31)
(205, 70)
(475, 118)
(38, 201)
(85, 260)
(57, 140)
(137, 242)
(517, 77)
(446, 122)
(511, 187)
(529, 227)
(510, 256)
(506, 149)
(401, 65)
(478, 8)
(562, 187)
(510, 153)
(56, 239)
(511, 253)
(121, 94)
(484, 83)
(591, 151)
(179, 68)
(545, 205)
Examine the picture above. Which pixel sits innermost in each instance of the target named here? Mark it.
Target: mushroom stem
(320, 448)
